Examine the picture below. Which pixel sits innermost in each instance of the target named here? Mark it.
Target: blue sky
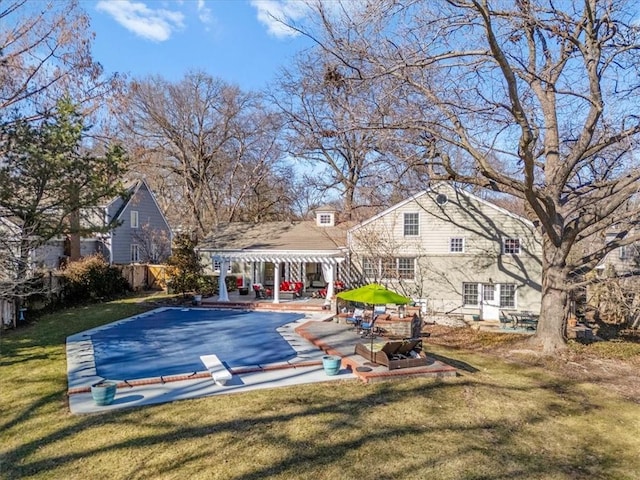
(234, 40)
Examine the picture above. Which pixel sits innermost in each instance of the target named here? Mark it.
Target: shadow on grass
(458, 364)
(9, 359)
(470, 427)
(349, 429)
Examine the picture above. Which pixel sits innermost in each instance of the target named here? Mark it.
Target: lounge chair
(396, 354)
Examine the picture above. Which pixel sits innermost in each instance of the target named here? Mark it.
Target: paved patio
(305, 302)
(340, 339)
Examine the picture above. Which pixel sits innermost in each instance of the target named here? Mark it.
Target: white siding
(440, 274)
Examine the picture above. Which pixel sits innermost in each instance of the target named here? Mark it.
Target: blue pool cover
(170, 342)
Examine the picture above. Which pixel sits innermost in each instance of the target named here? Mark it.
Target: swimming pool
(170, 342)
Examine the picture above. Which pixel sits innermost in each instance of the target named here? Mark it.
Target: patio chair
(379, 310)
(356, 318)
(504, 320)
(259, 290)
(368, 329)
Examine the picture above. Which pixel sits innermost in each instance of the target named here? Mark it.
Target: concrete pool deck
(311, 337)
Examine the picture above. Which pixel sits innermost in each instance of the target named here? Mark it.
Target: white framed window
(456, 245)
(407, 268)
(135, 253)
(325, 219)
(411, 224)
(624, 252)
(217, 264)
(134, 219)
(470, 294)
(507, 295)
(511, 246)
(488, 292)
(390, 268)
(369, 268)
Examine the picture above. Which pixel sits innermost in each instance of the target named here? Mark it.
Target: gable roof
(132, 189)
(275, 236)
(436, 189)
(10, 224)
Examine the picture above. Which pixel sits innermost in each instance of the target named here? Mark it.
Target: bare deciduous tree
(45, 52)
(328, 120)
(210, 147)
(154, 244)
(535, 99)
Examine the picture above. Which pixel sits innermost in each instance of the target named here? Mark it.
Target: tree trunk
(349, 195)
(74, 224)
(74, 236)
(555, 301)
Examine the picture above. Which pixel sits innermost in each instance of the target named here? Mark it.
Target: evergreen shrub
(92, 278)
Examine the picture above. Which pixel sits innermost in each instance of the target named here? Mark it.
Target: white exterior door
(489, 302)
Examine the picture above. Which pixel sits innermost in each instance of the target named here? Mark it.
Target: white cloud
(272, 14)
(152, 24)
(204, 12)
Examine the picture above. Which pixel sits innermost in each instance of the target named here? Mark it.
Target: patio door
(489, 302)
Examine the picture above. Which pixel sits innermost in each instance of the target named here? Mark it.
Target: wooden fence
(145, 277)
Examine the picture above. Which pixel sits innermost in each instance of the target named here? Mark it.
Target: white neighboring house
(9, 240)
(454, 251)
(9, 254)
(615, 297)
(625, 261)
(10, 237)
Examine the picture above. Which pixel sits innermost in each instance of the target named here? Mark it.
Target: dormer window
(325, 219)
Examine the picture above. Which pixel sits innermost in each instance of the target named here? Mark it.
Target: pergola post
(304, 276)
(276, 282)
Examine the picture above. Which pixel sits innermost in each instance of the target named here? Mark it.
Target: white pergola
(327, 258)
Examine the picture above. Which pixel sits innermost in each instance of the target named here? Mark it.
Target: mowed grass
(496, 420)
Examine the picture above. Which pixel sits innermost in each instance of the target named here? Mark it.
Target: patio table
(525, 319)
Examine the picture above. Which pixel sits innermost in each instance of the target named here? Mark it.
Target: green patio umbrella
(373, 294)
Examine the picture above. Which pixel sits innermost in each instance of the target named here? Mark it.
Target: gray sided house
(454, 251)
(142, 233)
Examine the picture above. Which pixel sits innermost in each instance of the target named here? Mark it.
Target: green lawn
(496, 420)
